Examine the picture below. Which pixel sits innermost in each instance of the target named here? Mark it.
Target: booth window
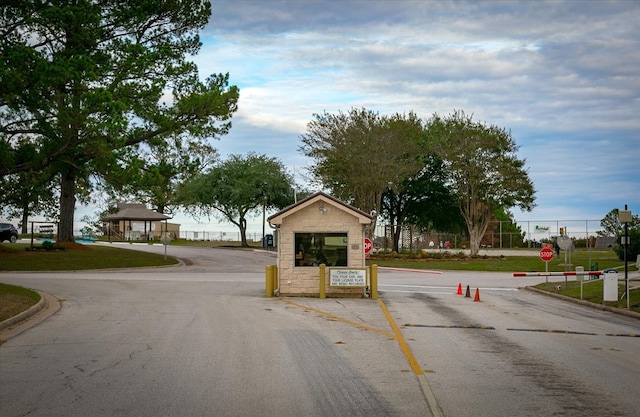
(313, 249)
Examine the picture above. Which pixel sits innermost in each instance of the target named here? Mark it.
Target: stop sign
(546, 254)
(368, 245)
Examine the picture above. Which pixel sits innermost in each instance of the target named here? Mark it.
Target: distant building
(137, 222)
(603, 242)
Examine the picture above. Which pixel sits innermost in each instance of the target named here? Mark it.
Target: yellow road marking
(436, 411)
(415, 366)
(338, 318)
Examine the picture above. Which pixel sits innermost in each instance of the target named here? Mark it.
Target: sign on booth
(352, 277)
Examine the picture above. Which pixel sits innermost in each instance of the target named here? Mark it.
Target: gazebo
(125, 224)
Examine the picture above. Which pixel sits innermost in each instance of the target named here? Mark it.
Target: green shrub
(48, 246)
(633, 248)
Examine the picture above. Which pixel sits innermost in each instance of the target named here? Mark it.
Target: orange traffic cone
(459, 292)
(477, 296)
(468, 293)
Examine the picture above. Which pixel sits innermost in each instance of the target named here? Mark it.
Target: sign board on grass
(351, 277)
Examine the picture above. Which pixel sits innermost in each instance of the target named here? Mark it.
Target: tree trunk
(25, 220)
(476, 232)
(243, 232)
(475, 235)
(400, 213)
(67, 207)
(370, 231)
(397, 214)
(397, 231)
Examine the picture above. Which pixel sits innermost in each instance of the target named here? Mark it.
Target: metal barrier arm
(559, 274)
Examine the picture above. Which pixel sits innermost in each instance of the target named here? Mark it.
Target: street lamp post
(625, 217)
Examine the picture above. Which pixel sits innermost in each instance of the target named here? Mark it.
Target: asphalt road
(202, 340)
(516, 352)
(199, 340)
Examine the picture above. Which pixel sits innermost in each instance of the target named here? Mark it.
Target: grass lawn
(15, 300)
(592, 291)
(15, 257)
(522, 263)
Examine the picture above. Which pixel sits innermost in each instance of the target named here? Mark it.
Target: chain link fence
(218, 236)
(500, 234)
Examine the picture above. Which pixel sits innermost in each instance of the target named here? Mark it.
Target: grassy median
(592, 291)
(17, 257)
(14, 300)
(600, 260)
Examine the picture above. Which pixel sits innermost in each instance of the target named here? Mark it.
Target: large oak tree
(151, 173)
(424, 200)
(238, 186)
(484, 170)
(612, 226)
(82, 79)
(357, 155)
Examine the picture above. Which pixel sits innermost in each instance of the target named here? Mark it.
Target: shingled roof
(135, 212)
(364, 218)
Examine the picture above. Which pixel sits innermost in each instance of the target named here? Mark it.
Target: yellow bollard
(269, 281)
(374, 281)
(322, 281)
(276, 287)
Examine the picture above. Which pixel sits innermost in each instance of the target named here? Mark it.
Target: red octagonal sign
(546, 254)
(368, 245)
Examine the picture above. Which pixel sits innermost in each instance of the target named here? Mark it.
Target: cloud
(562, 75)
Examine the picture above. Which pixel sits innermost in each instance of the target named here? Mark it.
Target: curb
(180, 263)
(616, 310)
(25, 314)
(43, 309)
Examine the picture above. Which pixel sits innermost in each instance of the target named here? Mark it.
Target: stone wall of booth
(304, 280)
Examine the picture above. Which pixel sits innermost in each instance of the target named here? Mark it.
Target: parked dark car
(8, 232)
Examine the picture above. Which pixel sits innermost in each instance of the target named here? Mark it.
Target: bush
(420, 255)
(47, 245)
(633, 248)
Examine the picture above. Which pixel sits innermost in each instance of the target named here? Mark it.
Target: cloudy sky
(563, 76)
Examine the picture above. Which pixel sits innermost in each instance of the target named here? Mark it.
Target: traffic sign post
(165, 239)
(546, 254)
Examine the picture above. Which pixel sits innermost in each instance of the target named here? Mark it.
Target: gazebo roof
(135, 212)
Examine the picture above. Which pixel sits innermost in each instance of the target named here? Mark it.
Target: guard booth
(320, 249)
